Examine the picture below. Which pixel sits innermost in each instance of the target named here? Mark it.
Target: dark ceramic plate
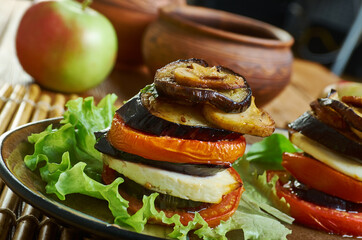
(89, 214)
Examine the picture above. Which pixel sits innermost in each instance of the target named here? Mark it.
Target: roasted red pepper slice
(170, 149)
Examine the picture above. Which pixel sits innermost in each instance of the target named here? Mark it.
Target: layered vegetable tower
(325, 190)
(180, 136)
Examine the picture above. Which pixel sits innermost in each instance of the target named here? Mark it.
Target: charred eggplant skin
(201, 170)
(137, 116)
(166, 86)
(311, 127)
(349, 115)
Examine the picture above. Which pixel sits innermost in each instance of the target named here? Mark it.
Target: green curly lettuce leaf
(260, 192)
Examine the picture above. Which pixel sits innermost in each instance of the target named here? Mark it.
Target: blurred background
(325, 31)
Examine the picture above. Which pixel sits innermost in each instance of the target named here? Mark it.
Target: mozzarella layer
(204, 189)
(335, 160)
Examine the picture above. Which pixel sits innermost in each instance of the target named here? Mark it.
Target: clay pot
(130, 19)
(258, 51)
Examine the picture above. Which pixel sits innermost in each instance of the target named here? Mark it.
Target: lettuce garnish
(68, 163)
(268, 152)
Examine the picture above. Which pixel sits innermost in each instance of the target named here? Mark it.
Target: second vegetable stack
(324, 187)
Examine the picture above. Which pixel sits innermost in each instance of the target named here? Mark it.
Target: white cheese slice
(335, 160)
(208, 189)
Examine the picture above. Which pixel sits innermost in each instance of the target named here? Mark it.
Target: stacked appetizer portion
(325, 190)
(180, 136)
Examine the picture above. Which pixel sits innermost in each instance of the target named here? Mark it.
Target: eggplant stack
(179, 137)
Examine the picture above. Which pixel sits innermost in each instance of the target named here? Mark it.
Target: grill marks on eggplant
(228, 100)
(162, 118)
(201, 170)
(320, 198)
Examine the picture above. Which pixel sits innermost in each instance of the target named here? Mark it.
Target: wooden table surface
(307, 81)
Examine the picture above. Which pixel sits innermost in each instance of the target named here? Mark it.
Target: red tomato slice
(212, 214)
(318, 175)
(170, 149)
(319, 217)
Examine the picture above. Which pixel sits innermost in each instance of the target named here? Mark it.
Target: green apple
(66, 46)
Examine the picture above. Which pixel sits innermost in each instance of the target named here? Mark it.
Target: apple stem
(86, 3)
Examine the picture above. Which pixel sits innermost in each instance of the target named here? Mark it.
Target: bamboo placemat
(20, 104)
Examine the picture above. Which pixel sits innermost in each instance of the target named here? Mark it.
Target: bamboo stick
(70, 234)
(57, 107)
(26, 107)
(73, 96)
(10, 107)
(42, 109)
(27, 223)
(49, 230)
(9, 202)
(5, 93)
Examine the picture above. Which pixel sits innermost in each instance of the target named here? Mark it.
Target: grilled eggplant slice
(151, 114)
(216, 77)
(253, 121)
(343, 142)
(193, 81)
(351, 115)
(328, 115)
